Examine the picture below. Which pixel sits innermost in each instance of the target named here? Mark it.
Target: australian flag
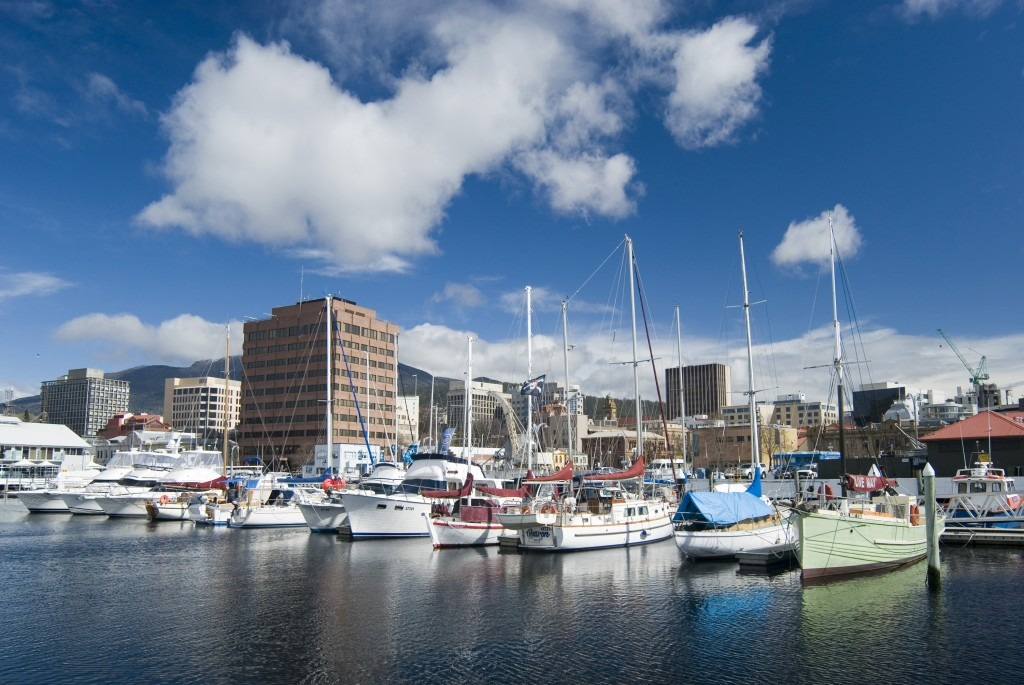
(534, 386)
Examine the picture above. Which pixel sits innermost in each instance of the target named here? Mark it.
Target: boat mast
(430, 428)
(837, 360)
(755, 447)
(226, 453)
(569, 415)
(467, 420)
(682, 394)
(529, 377)
(636, 375)
(329, 302)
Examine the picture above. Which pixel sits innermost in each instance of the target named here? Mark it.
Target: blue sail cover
(721, 508)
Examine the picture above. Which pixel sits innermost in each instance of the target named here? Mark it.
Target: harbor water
(93, 600)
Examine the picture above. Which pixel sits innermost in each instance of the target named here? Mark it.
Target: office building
(284, 384)
(206, 406)
(706, 389)
(83, 400)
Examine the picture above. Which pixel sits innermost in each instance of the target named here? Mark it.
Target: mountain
(147, 387)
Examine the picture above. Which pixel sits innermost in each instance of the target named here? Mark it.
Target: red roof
(981, 427)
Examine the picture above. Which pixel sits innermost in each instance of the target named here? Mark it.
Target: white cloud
(100, 90)
(800, 365)
(807, 240)
(933, 9)
(716, 90)
(462, 295)
(267, 146)
(181, 340)
(29, 283)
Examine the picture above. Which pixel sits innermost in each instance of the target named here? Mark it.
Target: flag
(446, 440)
(533, 387)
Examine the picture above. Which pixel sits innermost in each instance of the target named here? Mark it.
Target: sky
(170, 170)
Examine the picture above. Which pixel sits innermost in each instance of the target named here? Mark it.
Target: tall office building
(83, 400)
(206, 406)
(706, 389)
(284, 381)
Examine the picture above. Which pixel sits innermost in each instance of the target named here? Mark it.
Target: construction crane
(978, 374)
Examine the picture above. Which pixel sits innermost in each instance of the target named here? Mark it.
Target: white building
(33, 452)
(206, 406)
(407, 418)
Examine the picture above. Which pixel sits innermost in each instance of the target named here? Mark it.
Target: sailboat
(401, 514)
(718, 525)
(460, 518)
(600, 511)
(875, 528)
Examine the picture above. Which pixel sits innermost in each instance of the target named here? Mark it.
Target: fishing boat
(870, 526)
(983, 496)
(719, 525)
(599, 511)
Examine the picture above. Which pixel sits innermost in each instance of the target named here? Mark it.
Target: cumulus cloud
(268, 146)
(183, 339)
(29, 283)
(716, 90)
(933, 9)
(921, 363)
(807, 240)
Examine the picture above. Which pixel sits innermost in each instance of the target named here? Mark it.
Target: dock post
(931, 529)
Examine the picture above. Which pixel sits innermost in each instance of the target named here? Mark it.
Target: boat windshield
(203, 459)
(413, 486)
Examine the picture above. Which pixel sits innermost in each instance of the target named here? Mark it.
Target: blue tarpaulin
(721, 508)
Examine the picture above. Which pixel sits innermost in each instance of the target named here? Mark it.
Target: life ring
(548, 508)
(525, 509)
(915, 515)
(164, 499)
(826, 490)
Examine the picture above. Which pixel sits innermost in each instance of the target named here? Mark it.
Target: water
(92, 600)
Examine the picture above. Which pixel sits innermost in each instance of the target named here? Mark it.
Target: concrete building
(83, 400)
(407, 418)
(794, 410)
(706, 389)
(874, 399)
(207, 405)
(284, 387)
(484, 404)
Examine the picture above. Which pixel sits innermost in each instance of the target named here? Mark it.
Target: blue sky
(168, 168)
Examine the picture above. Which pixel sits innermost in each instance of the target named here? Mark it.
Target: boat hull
(267, 516)
(835, 543)
(43, 502)
(577, 532)
(447, 532)
(726, 544)
(382, 516)
(83, 503)
(323, 517)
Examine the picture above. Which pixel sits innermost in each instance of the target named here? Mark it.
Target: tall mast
(837, 360)
(430, 428)
(636, 375)
(226, 453)
(569, 415)
(330, 384)
(755, 447)
(468, 418)
(682, 393)
(529, 376)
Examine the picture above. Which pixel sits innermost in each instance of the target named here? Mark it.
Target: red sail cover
(634, 471)
(564, 473)
(502, 492)
(464, 491)
(859, 483)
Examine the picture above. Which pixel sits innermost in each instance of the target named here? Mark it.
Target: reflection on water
(93, 600)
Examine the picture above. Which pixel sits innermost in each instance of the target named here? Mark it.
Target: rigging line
(599, 267)
(650, 351)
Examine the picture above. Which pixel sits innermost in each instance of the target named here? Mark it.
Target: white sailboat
(601, 512)
(875, 529)
(718, 525)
